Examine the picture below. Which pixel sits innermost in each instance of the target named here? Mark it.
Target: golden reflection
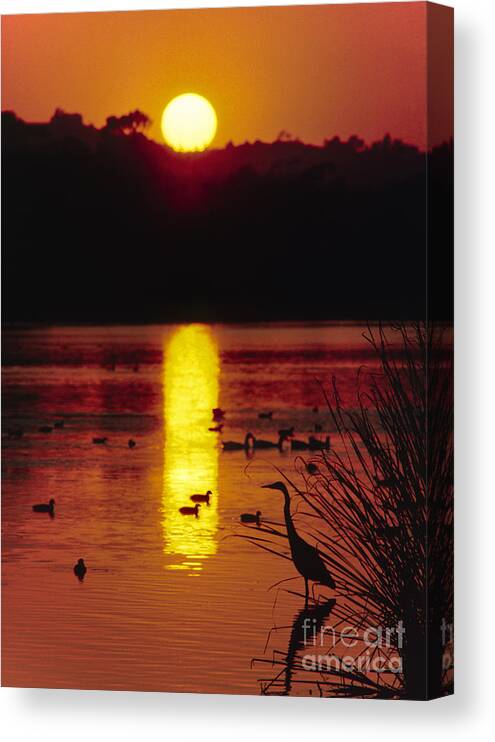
(190, 392)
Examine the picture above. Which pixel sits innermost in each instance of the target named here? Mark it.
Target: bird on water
(248, 444)
(45, 507)
(190, 511)
(306, 558)
(202, 498)
(80, 569)
(251, 444)
(316, 445)
(251, 517)
(261, 444)
(216, 428)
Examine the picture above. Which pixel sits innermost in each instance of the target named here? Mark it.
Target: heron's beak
(267, 486)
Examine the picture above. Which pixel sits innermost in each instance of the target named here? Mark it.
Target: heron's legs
(307, 592)
(313, 586)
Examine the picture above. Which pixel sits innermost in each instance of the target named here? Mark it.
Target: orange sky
(312, 71)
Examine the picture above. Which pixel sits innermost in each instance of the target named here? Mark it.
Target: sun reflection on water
(190, 391)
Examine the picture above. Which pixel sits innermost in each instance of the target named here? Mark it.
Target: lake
(169, 602)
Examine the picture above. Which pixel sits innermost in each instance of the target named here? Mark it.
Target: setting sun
(189, 123)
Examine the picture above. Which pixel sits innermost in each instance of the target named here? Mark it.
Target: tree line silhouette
(107, 225)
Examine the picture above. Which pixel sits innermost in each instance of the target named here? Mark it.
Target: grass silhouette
(379, 506)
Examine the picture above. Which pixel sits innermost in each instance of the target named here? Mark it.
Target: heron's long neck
(291, 531)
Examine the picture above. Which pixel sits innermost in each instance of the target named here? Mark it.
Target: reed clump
(379, 507)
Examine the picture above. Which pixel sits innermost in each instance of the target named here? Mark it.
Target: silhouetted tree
(129, 123)
(221, 234)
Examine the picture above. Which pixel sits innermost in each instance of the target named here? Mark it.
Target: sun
(189, 123)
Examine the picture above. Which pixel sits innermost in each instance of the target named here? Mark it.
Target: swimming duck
(268, 444)
(59, 424)
(80, 569)
(265, 415)
(316, 445)
(100, 441)
(218, 414)
(45, 429)
(216, 428)
(202, 498)
(190, 511)
(251, 518)
(131, 443)
(248, 444)
(45, 507)
(299, 445)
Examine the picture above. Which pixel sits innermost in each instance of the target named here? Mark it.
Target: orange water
(169, 602)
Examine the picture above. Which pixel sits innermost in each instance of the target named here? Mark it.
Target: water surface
(169, 602)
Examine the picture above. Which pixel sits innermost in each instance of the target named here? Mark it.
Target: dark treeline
(105, 225)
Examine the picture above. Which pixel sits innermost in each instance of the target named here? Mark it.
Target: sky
(313, 72)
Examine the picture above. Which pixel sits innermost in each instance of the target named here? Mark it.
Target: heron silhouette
(306, 559)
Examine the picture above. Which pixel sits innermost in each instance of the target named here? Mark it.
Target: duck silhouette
(261, 444)
(45, 429)
(316, 445)
(251, 517)
(45, 507)
(202, 498)
(235, 446)
(131, 443)
(80, 569)
(190, 511)
(297, 445)
(313, 444)
(100, 441)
